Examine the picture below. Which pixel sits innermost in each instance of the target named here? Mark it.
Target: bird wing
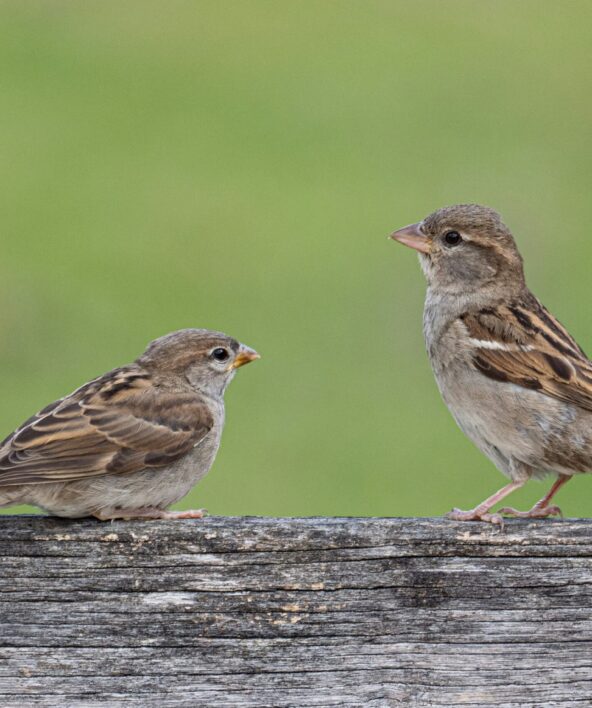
(118, 423)
(524, 344)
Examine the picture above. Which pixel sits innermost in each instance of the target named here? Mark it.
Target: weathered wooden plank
(256, 612)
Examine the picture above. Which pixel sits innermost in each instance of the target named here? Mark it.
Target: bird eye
(220, 354)
(452, 238)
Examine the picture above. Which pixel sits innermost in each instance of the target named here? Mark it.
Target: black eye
(452, 238)
(220, 354)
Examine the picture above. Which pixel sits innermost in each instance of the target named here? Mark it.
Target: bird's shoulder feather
(522, 343)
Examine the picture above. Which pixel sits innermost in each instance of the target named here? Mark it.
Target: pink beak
(413, 237)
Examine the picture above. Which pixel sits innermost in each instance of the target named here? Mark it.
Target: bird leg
(481, 512)
(149, 512)
(541, 510)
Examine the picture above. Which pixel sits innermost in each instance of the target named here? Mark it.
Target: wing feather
(118, 423)
(523, 344)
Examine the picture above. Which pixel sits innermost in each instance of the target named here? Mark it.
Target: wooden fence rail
(262, 612)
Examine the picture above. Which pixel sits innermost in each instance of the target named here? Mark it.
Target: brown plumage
(145, 432)
(513, 377)
(538, 352)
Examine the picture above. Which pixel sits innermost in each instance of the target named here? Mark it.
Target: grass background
(238, 164)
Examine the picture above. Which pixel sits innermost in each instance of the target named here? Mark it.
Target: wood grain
(257, 613)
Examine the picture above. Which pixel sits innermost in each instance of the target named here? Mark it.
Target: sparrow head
(463, 248)
(207, 360)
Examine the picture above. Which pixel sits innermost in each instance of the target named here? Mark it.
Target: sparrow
(514, 379)
(132, 442)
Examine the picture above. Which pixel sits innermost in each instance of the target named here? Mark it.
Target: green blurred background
(238, 165)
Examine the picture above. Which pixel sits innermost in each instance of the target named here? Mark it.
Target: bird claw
(537, 512)
(189, 514)
(150, 513)
(476, 515)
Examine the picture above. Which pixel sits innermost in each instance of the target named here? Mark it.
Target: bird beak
(244, 356)
(413, 237)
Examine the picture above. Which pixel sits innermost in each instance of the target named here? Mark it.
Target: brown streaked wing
(528, 347)
(118, 423)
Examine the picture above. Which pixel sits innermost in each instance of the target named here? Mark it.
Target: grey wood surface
(258, 612)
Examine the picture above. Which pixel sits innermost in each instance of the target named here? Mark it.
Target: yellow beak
(244, 356)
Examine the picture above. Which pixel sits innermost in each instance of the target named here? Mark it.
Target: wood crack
(295, 613)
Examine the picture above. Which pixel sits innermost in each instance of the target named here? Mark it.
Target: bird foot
(537, 512)
(149, 513)
(475, 515)
(189, 514)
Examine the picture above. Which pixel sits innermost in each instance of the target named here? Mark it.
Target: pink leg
(541, 510)
(150, 513)
(481, 512)
(189, 514)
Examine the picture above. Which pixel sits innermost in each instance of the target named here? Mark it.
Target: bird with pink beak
(514, 379)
